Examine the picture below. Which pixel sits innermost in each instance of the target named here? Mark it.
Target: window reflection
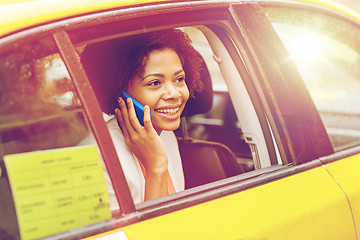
(39, 109)
(327, 55)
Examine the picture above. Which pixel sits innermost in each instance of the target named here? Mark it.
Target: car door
(288, 194)
(300, 201)
(327, 59)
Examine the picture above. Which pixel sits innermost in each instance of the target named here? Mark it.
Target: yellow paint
(335, 5)
(347, 173)
(22, 14)
(16, 15)
(309, 205)
(57, 190)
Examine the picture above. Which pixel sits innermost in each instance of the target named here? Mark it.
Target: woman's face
(162, 87)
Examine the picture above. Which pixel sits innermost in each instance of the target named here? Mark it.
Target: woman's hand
(147, 146)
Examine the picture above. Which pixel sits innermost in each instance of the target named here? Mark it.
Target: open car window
(219, 124)
(211, 128)
(214, 142)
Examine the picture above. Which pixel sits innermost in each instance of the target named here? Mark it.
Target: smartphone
(139, 109)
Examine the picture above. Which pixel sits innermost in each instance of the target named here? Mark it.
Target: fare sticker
(57, 190)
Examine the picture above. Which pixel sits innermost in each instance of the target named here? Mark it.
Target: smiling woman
(161, 71)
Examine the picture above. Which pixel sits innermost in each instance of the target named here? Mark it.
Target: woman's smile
(168, 111)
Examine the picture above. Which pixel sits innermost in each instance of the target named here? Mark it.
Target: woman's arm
(147, 146)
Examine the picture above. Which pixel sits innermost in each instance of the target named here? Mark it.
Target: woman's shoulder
(114, 130)
(126, 156)
(129, 163)
(112, 123)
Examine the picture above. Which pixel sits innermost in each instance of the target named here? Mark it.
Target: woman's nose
(171, 91)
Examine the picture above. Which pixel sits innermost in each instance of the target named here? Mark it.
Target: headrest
(202, 101)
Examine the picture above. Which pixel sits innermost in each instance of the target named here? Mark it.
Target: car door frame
(281, 88)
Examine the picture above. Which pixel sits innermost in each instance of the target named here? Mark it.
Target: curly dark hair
(112, 64)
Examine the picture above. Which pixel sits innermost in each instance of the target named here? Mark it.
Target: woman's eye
(154, 83)
(180, 79)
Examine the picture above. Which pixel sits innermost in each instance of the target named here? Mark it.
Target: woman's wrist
(156, 183)
(158, 169)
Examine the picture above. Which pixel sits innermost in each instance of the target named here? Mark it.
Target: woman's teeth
(169, 111)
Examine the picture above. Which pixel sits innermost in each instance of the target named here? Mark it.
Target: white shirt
(131, 167)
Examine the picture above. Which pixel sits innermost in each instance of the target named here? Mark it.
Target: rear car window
(48, 184)
(326, 52)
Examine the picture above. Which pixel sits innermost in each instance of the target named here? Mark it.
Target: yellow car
(270, 149)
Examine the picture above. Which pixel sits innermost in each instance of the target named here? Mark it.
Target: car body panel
(335, 6)
(21, 14)
(24, 14)
(346, 173)
(274, 210)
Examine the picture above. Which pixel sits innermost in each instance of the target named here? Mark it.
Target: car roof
(20, 14)
(334, 6)
(16, 15)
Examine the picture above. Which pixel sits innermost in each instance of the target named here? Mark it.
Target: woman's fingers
(134, 121)
(121, 123)
(147, 118)
(125, 116)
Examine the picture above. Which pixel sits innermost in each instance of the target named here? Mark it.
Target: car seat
(204, 161)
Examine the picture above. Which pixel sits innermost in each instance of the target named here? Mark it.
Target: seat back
(204, 161)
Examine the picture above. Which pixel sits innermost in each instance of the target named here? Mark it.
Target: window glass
(40, 111)
(326, 52)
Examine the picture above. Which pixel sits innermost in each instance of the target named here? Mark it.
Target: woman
(161, 71)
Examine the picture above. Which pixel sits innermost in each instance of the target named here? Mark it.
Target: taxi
(270, 149)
